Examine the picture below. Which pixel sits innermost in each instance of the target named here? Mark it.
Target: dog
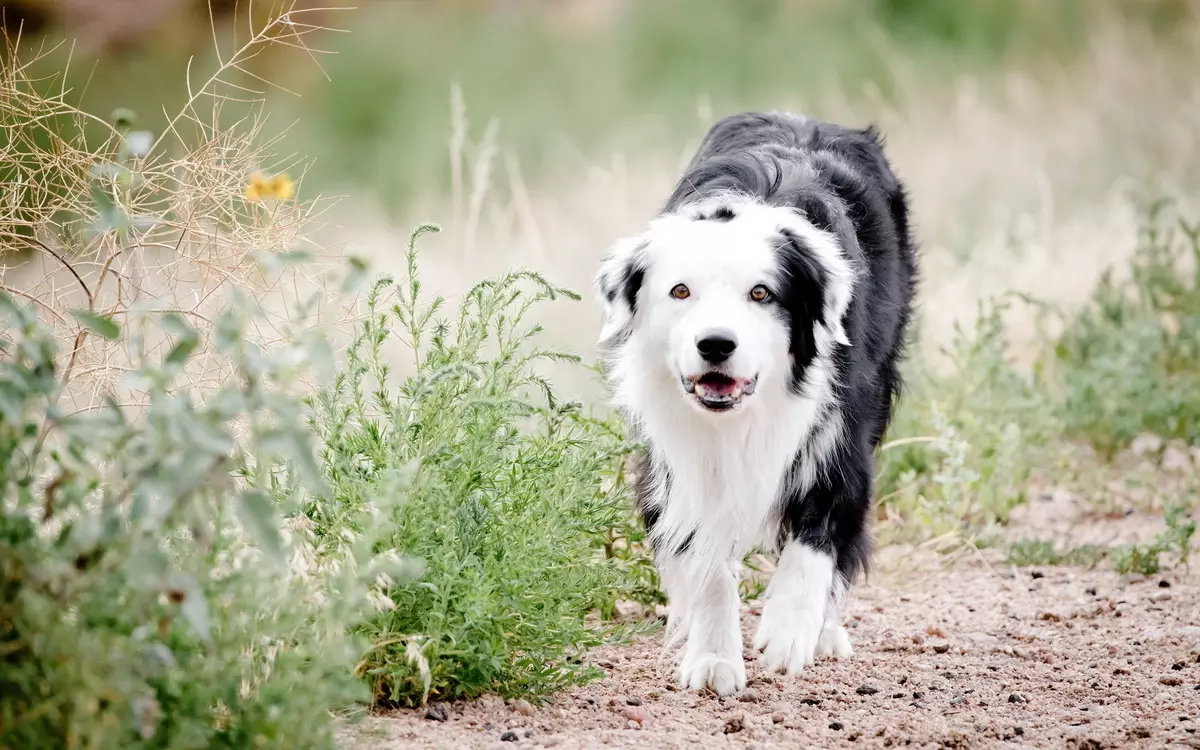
(751, 337)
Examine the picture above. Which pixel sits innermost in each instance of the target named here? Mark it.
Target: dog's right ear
(619, 281)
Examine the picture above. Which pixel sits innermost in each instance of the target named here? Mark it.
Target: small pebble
(778, 717)
(1164, 584)
(523, 707)
(508, 737)
(866, 690)
(1036, 574)
(1015, 698)
(734, 724)
(633, 701)
(749, 695)
(835, 726)
(1161, 596)
(941, 648)
(1091, 591)
(636, 714)
(437, 712)
(1170, 681)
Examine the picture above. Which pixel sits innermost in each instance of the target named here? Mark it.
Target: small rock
(897, 695)
(941, 648)
(1120, 671)
(1090, 590)
(779, 717)
(1019, 731)
(509, 737)
(528, 733)
(437, 712)
(1036, 574)
(523, 707)
(1160, 596)
(917, 695)
(749, 695)
(1146, 443)
(633, 701)
(1140, 733)
(1170, 681)
(835, 726)
(811, 701)
(866, 690)
(1176, 461)
(636, 714)
(1049, 616)
(935, 631)
(631, 724)
(1016, 698)
(1164, 584)
(605, 664)
(734, 724)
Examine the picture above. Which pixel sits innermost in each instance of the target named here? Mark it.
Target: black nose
(716, 346)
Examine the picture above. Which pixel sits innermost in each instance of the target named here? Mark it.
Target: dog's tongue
(715, 384)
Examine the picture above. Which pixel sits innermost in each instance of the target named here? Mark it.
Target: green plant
(1030, 552)
(967, 437)
(507, 496)
(1175, 541)
(145, 596)
(1129, 362)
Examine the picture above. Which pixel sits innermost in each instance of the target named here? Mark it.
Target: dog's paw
(787, 638)
(834, 641)
(723, 675)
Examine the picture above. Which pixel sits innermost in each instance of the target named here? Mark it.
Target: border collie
(751, 337)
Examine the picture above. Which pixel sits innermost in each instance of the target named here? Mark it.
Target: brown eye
(760, 293)
(679, 291)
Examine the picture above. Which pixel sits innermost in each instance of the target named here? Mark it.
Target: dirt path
(970, 654)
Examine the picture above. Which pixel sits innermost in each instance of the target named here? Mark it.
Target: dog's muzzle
(718, 392)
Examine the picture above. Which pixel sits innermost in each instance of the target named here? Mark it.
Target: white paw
(834, 641)
(787, 637)
(724, 676)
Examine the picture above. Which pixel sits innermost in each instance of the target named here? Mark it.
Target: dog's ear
(619, 281)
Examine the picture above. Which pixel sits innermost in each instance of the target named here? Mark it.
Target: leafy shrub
(1175, 540)
(967, 437)
(1129, 361)
(507, 495)
(133, 612)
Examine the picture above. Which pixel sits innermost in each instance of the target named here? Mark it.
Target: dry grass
(127, 225)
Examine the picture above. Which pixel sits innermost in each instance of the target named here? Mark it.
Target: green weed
(1174, 541)
(1031, 552)
(508, 497)
(1129, 362)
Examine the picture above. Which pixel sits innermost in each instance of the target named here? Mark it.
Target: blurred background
(1032, 132)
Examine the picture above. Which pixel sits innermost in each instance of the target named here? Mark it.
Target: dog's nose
(716, 346)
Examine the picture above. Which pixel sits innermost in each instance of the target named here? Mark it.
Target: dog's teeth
(749, 389)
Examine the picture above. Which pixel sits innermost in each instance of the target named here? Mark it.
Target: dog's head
(724, 299)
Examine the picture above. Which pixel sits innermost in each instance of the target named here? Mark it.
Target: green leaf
(257, 514)
(101, 325)
(189, 339)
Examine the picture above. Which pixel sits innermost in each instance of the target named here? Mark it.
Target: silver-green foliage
(146, 600)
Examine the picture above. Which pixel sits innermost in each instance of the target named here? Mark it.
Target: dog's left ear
(619, 281)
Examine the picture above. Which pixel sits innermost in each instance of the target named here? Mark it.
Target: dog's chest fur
(715, 488)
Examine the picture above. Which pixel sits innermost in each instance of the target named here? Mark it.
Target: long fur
(813, 211)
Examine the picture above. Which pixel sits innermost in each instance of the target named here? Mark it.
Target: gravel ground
(950, 653)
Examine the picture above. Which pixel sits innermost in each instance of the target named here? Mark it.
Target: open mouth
(716, 391)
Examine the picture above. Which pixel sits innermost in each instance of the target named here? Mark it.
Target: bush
(509, 497)
(133, 612)
(1129, 362)
(968, 437)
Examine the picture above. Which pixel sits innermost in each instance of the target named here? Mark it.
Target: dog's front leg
(712, 655)
(795, 607)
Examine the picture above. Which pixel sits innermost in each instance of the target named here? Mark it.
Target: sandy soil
(950, 653)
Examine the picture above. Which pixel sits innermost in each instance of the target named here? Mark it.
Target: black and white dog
(752, 335)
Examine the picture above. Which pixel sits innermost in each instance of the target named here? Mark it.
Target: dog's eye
(679, 291)
(760, 293)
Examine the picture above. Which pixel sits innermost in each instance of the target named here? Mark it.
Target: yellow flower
(280, 187)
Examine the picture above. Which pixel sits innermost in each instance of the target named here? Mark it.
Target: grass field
(235, 464)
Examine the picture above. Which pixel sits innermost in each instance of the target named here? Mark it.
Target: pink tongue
(718, 386)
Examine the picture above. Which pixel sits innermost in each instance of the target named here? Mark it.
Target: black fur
(840, 180)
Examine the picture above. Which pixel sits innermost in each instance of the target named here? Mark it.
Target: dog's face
(724, 301)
